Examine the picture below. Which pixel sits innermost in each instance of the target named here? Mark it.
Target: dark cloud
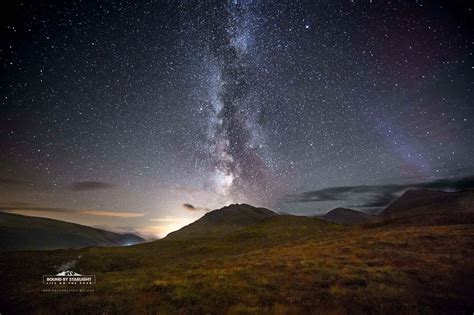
(12, 206)
(13, 184)
(340, 193)
(91, 185)
(191, 207)
(19, 206)
(377, 195)
(13, 203)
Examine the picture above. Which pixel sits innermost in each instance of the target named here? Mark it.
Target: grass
(285, 265)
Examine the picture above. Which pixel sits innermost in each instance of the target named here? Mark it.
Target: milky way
(236, 144)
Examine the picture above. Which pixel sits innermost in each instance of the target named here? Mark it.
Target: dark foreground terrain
(283, 265)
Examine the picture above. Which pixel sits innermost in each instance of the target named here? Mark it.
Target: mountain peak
(223, 221)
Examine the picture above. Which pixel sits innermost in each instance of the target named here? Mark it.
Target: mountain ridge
(349, 216)
(429, 202)
(19, 232)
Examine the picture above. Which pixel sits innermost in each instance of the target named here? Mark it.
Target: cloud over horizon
(13, 182)
(376, 196)
(91, 185)
(19, 206)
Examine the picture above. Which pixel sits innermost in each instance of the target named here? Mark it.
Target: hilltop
(223, 221)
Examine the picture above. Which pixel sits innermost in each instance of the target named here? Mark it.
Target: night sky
(141, 117)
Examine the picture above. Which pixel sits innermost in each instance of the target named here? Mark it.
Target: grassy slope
(283, 265)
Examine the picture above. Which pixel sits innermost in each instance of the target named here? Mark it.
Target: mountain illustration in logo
(68, 273)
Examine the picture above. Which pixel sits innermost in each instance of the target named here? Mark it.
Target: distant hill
(18, 232)
(422, 202)
(223, 221)
(349, 217)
